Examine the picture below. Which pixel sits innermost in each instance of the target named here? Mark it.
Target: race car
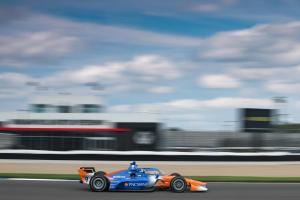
(138, 179)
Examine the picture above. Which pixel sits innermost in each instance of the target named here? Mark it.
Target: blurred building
(68, 122)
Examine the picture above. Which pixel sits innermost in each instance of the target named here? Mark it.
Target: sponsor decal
(152, 172)
(137, 184)
(125, 184)
(118, 176)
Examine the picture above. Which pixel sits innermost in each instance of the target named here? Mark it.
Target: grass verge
(201, 178)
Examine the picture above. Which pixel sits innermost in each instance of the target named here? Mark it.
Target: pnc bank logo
(134, 184)
(137, 184)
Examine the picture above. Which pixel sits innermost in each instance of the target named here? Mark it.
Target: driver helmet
(133, 165)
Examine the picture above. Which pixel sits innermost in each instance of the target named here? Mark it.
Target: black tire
(175, 174)
(178, 184)
(99, 173)
(99, 183)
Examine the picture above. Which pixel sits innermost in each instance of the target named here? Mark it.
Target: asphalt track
(43, 190)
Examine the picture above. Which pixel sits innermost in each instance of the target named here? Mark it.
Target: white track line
(166, 153)
(125, 163)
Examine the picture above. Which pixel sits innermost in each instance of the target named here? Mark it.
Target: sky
(193, 63)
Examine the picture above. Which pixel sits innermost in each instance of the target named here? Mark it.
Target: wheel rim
(98, 183)
(178, 184)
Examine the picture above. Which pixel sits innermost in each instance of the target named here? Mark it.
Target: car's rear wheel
(100, 173)
(178, 184)
(99, 183)
(175, 174)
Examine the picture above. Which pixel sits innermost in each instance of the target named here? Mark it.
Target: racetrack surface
(33, 190)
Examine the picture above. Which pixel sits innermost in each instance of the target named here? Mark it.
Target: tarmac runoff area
(49, 190)
(265, 169)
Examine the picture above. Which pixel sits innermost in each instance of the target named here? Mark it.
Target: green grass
(201, 178)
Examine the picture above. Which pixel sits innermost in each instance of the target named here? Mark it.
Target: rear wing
(84, 171)
(87, 169)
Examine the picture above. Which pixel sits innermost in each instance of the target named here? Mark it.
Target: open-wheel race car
(137, 179)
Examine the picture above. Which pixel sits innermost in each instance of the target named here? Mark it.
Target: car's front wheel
(178, 184)
(99, 183)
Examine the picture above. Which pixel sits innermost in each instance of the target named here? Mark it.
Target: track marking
(125, 163)
(165, 153)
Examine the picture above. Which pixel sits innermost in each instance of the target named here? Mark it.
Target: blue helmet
(133, 163)
(133, 166)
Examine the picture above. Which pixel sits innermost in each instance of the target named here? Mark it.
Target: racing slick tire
(175, 174)
(100, 173)
(99, 183)
(178, 184)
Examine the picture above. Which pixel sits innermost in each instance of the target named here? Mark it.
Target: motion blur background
(191, 76)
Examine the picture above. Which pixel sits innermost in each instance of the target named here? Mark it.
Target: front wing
(193, 185)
